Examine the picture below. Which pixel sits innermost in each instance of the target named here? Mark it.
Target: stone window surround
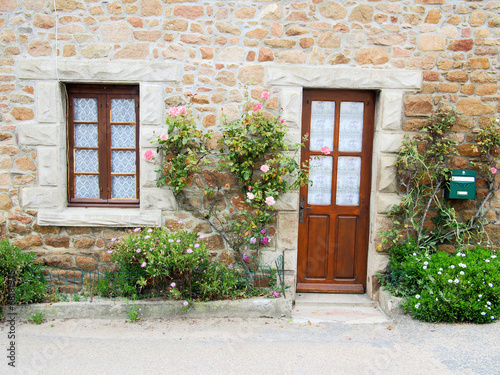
(391, 86)
(47, 134)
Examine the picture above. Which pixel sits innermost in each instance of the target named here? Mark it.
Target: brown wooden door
(334, 209)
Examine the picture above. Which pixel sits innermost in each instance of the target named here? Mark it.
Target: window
(103, 133)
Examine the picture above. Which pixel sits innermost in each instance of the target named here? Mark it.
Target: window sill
(99, 217)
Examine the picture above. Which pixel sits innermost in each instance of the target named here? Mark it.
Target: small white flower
(431, 292)
(483, 313)
(457, 281)
(459, 254)
(462, 273)
(437, 299)
(492, 317)
(414, 254)
(417, 296)
(452, 266)
(491, 285)
(441, 269)
(426, 263)
(450, 281)
(480, 296)
(417, 305)
(425, 267)
(493, 256)
(440, 273)
(487, 260)
(488, 303)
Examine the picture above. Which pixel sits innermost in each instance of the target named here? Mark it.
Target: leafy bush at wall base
(157, 262)
(440, 287)
(17, 268)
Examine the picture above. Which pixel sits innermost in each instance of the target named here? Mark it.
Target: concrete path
(251, 346)
(336, 308)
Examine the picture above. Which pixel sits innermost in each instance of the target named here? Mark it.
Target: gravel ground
(251, 346)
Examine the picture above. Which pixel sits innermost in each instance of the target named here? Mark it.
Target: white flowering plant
(443, 287)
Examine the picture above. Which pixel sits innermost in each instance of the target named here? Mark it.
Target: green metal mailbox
(462, 185)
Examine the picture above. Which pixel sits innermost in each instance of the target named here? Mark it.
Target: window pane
(123, 162)
(86, 135)
(85, 109)
(86, 186)
(322, 125)
(122, 110)
(348, 180)
(86, 161)
(320, 187)
(351, 126)
(123, 136)
(124, 187)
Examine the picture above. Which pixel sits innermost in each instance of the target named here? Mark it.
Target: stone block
(385, 202)
(95, 71)
(151, 109)
(41, 197)
(333, 77)
(38, 135)
(291, 102)
(391, 104)
(48, 166)
(48, 102)
(158, 198)
(474, 107)
(150, 134)
(147, 170)
(386, 176)
(287, 234)
(288, 202)
(418, 105)
(389, 142)
(99, 217)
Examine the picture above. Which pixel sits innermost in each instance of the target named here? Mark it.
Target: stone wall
(175, 48)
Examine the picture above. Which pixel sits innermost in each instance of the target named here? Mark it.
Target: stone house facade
(414, 54)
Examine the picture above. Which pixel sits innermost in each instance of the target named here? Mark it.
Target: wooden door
(334, 208)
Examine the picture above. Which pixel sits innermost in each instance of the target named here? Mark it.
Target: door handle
(302, 207)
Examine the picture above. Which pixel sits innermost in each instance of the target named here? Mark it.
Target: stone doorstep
(118, 309)
(390, 304)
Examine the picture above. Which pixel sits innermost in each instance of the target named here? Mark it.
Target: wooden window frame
(104, 94)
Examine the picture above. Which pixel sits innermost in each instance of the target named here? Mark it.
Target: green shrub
(176, 264)
(18, 268)
(440, 287)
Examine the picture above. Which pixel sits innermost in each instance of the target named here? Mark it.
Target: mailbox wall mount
(462, 185)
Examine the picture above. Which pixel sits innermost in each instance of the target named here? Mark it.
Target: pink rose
(148, 155)
(282, 121)
(257, 107)
(164, 137)
(264, 168)
(270, 201)
(182, 110)
(245, 258)
(265, 95)
(493, 170)
(173, 111)
(250, 196)
(325, 150)
(276, 294)
(143, 264)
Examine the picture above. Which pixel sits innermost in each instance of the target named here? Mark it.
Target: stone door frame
(391, 87)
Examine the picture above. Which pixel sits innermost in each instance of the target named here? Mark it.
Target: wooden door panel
(345, 254)
(334, 219)
(317, 256)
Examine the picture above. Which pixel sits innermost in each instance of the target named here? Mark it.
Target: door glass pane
(348, 180)
(122, 110)
(322, 125)
(351, 126)
(85, 109)
(123, 187)
(86, 161)
(320, 187)
(86, 186)
(86, 135)
(123, 162)
(123, 136)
